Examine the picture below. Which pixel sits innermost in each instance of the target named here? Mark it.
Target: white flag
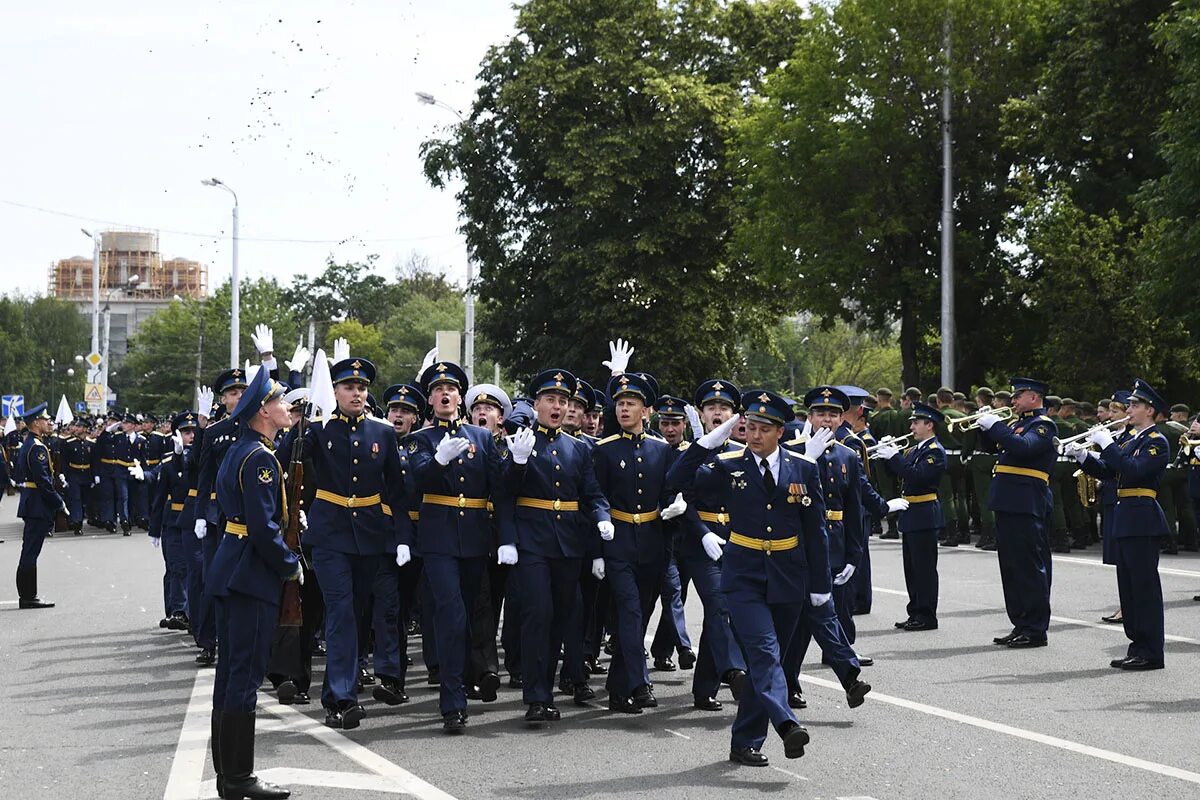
(321, 397)
(10, 425)
(63, 415)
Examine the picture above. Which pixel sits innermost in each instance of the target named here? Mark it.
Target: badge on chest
(797, 493)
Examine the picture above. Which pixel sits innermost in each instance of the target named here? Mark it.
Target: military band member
(40, 501)
(979, 457)
(953, 487)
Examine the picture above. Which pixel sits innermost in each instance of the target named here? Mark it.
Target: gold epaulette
(608, 439)
(731, 454)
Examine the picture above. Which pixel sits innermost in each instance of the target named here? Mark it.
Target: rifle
(290, 614)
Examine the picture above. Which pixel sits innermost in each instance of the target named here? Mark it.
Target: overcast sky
(114, 111)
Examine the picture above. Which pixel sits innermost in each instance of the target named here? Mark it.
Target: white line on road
(795, 775)
(677, 733)
(288, 776)
(1021, 733)
(187, 768)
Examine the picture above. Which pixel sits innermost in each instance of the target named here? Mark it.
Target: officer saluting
(40, 501)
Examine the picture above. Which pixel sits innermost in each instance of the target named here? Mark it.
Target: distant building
(135, 283)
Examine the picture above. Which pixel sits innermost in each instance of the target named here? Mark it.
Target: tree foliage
(32, 332)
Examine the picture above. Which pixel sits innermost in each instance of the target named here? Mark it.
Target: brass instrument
(900, 442)
(971, 422)
(1063, 444)
(1088, 488)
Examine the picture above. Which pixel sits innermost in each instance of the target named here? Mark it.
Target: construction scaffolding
(130, 261)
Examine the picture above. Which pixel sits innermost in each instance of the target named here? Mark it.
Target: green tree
(366, 341)
(32, 332)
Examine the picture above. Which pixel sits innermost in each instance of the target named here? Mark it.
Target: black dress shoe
(737, 681)
(796, 700)
(389, 691)
(916, 625)
(454, 721)
(34, 602)
(435, 677)
(609, 646)
(594, 667)
(664, 664)
(535, 715)
(552, 713)
(1139, 664)
(687, 658)
(164, 622)
(902, 624)
(319, 650)
(795, 737)
(623, 705)
(286, 692)
(302, 699)
(707, 704)
(856, 692)
(365, 678)
(515, 682)
(866, 661)
(1114, 618)
(206, 658)
(890, 535)
(177, 622)
(473, 693)
(583, 694)
(1005, 639)
(489, 683)
(748, 757)
(989, 545)
(346, 718)
(643, 697)
(1023, 641)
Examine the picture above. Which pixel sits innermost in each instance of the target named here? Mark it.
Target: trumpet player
(1138, 524)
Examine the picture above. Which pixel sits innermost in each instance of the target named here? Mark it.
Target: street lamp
(95, 288)
(233, 321)
(425, 98)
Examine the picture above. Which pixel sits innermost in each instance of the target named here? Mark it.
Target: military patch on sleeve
(930, 459)
(265, 475)
(412, 447)
(41, 455)
(1153, 450)
(1042, 430)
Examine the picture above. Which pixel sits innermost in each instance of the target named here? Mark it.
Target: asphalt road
(96, 704)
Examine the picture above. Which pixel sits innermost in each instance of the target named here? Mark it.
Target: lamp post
(425, 98)
(95, 287)
(234, 315)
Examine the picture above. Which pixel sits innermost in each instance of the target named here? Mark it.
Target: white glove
(204, 400)
(713, 545)
(177, 438)
(987, 421)
(693, 419)
(95, 481)
(299, 359)
(819, 600)
(62, 479)
(201, 528)
(506, 554)
(677, 507)
(263, 338)
(607, 531)
(136, 472)
(1101, 438)
(1080, 454)
(618, 356)
(341, 349)
(718, 435)
(520, 445)
(598, 568)
(403, 555)
(450, 448)
(817, 444)
(427, 362)
(156, 541)
(846, 574)
(114, 426)
(897, 504)
(299, 575)
(303, 520)
(886, 451)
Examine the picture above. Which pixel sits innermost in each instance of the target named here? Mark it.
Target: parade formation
(304, 522)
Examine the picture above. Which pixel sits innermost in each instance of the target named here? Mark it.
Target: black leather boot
(237, 759)
(27, 589)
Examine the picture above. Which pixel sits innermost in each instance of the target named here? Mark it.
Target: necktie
(768, 478)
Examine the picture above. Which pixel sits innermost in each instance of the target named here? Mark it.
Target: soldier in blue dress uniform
(174, 518)
(1138, 526)
(40, 501)
(75, 465)
(671, 636)
(1021, 500)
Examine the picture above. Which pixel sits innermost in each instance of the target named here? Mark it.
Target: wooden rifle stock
(290, 614)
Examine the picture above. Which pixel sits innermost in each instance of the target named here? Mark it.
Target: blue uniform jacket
(75, 459)
(707, 512)
(559, 469)
(872, 502)
(920, 469)
(1135, 466)
(1026, 445)
(31, 472)
(454, 515)
(631, 469)
(116, 453)
(176, 476)
(250, 495)
(796, 508)
(216, 440)
(841, 484)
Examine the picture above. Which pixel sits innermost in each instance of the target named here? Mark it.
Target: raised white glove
(693, 419)
(718, 435)
(263, 338)
(598, 568)
(114, 426)
(177, 439)
(886, 451)
(817, 444)
(427, 362)
(607, 531)
(450, 448)
(819, 600)
(156, 541)
(897, 504)
(713, 545)
(205, 400)
(846, 574)
(136, 472)
(201, 528)
(677, 507)
(403, 555)
(299, 359)
(520, 445)
(341, 349)
(618, 356)
(987, 421)
(1101, 438)
(95, 481)
(506, 554)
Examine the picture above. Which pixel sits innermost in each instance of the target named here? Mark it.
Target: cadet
(40, 501)
(245, 580)
(75, 471)
(671, 636)
(1020, 498)
(174, 519)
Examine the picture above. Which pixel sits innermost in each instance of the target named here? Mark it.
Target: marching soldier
(40, 501)
(75, 465)
(174, 517)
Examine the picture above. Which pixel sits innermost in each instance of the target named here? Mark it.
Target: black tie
(768, 478)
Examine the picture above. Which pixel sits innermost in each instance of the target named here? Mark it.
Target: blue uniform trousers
(762, 630)
(549, 591)
(175, 576)
(346, 583)
(718, 651)
(510, 632)
(820, 623)
(861, 582)
(201, 612)
(33, 536)
(429, 653)
(633, 588)
(671, 633)
(245, 628)
(389, 617)
(114, 500)
(139, 500)
(193, 559)
(1025, 571)
(920, 553)
(76, 486)
(843, 606)
(453, 583)
(1141, 595)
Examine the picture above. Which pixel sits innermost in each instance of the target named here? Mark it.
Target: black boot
(215, 727)
(237, 759)
(27, 589)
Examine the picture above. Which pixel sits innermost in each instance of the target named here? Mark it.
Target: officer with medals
(920, 468)
(245, 579)
(776, 560)
(1021, 501)
(1138, 526)
(559, 512)
(457, 469)
(40, 501)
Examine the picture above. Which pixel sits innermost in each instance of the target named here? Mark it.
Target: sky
(113, 113)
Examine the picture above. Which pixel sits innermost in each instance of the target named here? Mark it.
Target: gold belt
(349, 502)
(719, 517)
(1151, 493)
(834, 516)
(177, 506)
(454, 502)
(548, 505)
(415, 516)
(192, 493)
(29, 485)
(236, 529)
(921, 498)
(768, 546)
(635, 519)
(79, 466)
(1004, 469)
(116, 461)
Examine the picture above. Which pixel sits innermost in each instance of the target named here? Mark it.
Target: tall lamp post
(425, 98)
(233, 321)
(95, 237)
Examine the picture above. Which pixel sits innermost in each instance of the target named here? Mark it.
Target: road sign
(80, 406)
(93, 395)
(11, 404)
(94, 359)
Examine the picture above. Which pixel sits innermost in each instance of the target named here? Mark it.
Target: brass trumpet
(968, 423)
(900, 442)
(1072, 441)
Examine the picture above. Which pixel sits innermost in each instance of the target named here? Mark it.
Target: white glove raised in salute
(520, 445)
(713, 545)
(987, 421)
(177, 442)
(693, 419)
(264, 339)
(718, 435)
(204, 401)
(897, 504)
(1101, 437)
(450, 448)
(677, 507)
(818, 443)
(299, 359)
(618, 356)
(341, 349)
(427, 362)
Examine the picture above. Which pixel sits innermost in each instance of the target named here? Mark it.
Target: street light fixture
(95, 288)
(235, 307)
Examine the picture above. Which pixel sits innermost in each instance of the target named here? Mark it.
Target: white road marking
(187, 768)
(677, 733)
(1021, 733)
(9, 602)
(789, 772)
(288, 776)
